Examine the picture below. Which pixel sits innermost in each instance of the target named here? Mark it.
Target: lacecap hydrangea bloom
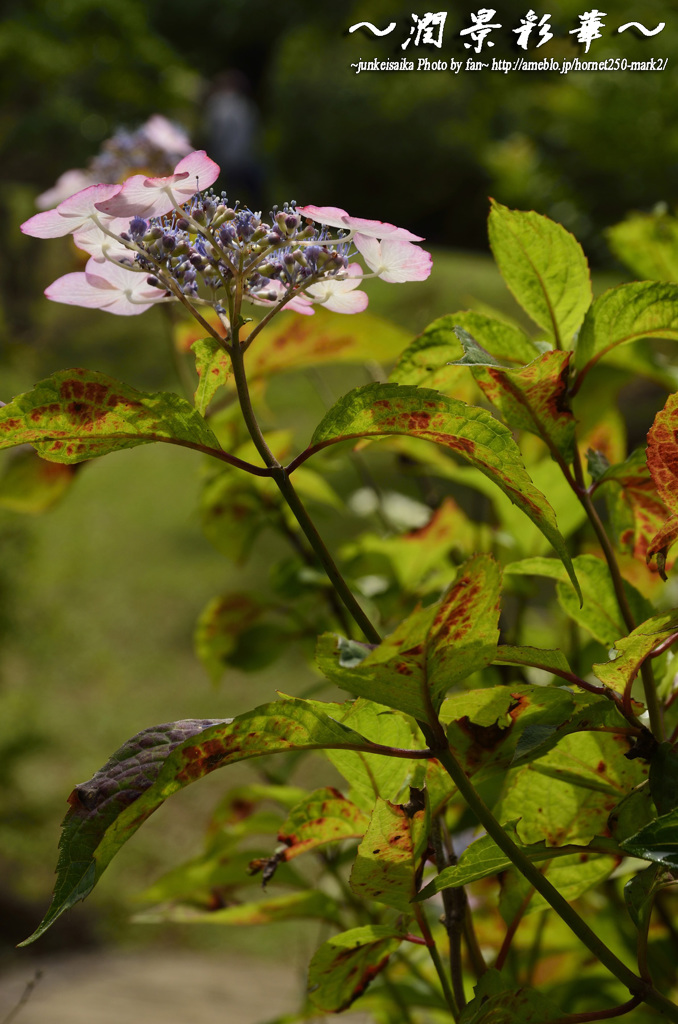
(174, 238)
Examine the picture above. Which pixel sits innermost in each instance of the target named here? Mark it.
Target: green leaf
(463, 636)
(431, 651)
(657, 841)
(213, 365)
(344, 966)
(632, 650)
(324, 816)
(484, 858)
(431, 360)
(106, 811)
(548, 661)
(647, 244)
(534, 398)
(599, 614)
(290, 907)
(626, 313)
(545, 269)
(639, 894)
(32, 485)
(385, 868)
(470, 432)
(572, 876)
(81, 414)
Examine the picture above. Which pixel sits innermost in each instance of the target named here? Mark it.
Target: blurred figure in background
(232, 126)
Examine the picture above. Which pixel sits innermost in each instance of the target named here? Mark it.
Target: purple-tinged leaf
(153, 765)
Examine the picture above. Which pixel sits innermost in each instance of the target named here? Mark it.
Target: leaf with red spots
(599, 614)
(631, 651)
(153, 765)
(432, 650)
(488, 728)
(431, 359)
(568, 795)
(627, 313)
(637, 512)
(344, 966)
(662, 462)
(213, 365)
(544, 267)
(390, 855)
(534, 398)
(81, 414)
(32, 485)
(470, 432)
(464, 633)
(324, 816)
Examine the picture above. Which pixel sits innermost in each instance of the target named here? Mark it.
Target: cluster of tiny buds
(207, 240)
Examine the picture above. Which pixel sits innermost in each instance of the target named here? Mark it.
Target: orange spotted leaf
(470, 432)
(81, 414)
(390, 855)
(345, 965)
(324, 816)
(662, 461)
(534, 398)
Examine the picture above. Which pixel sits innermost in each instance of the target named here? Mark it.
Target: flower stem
(281, 477)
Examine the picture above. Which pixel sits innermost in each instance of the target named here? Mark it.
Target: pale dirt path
(142, 987)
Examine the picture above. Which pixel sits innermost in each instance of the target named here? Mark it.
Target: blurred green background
(98, 597)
